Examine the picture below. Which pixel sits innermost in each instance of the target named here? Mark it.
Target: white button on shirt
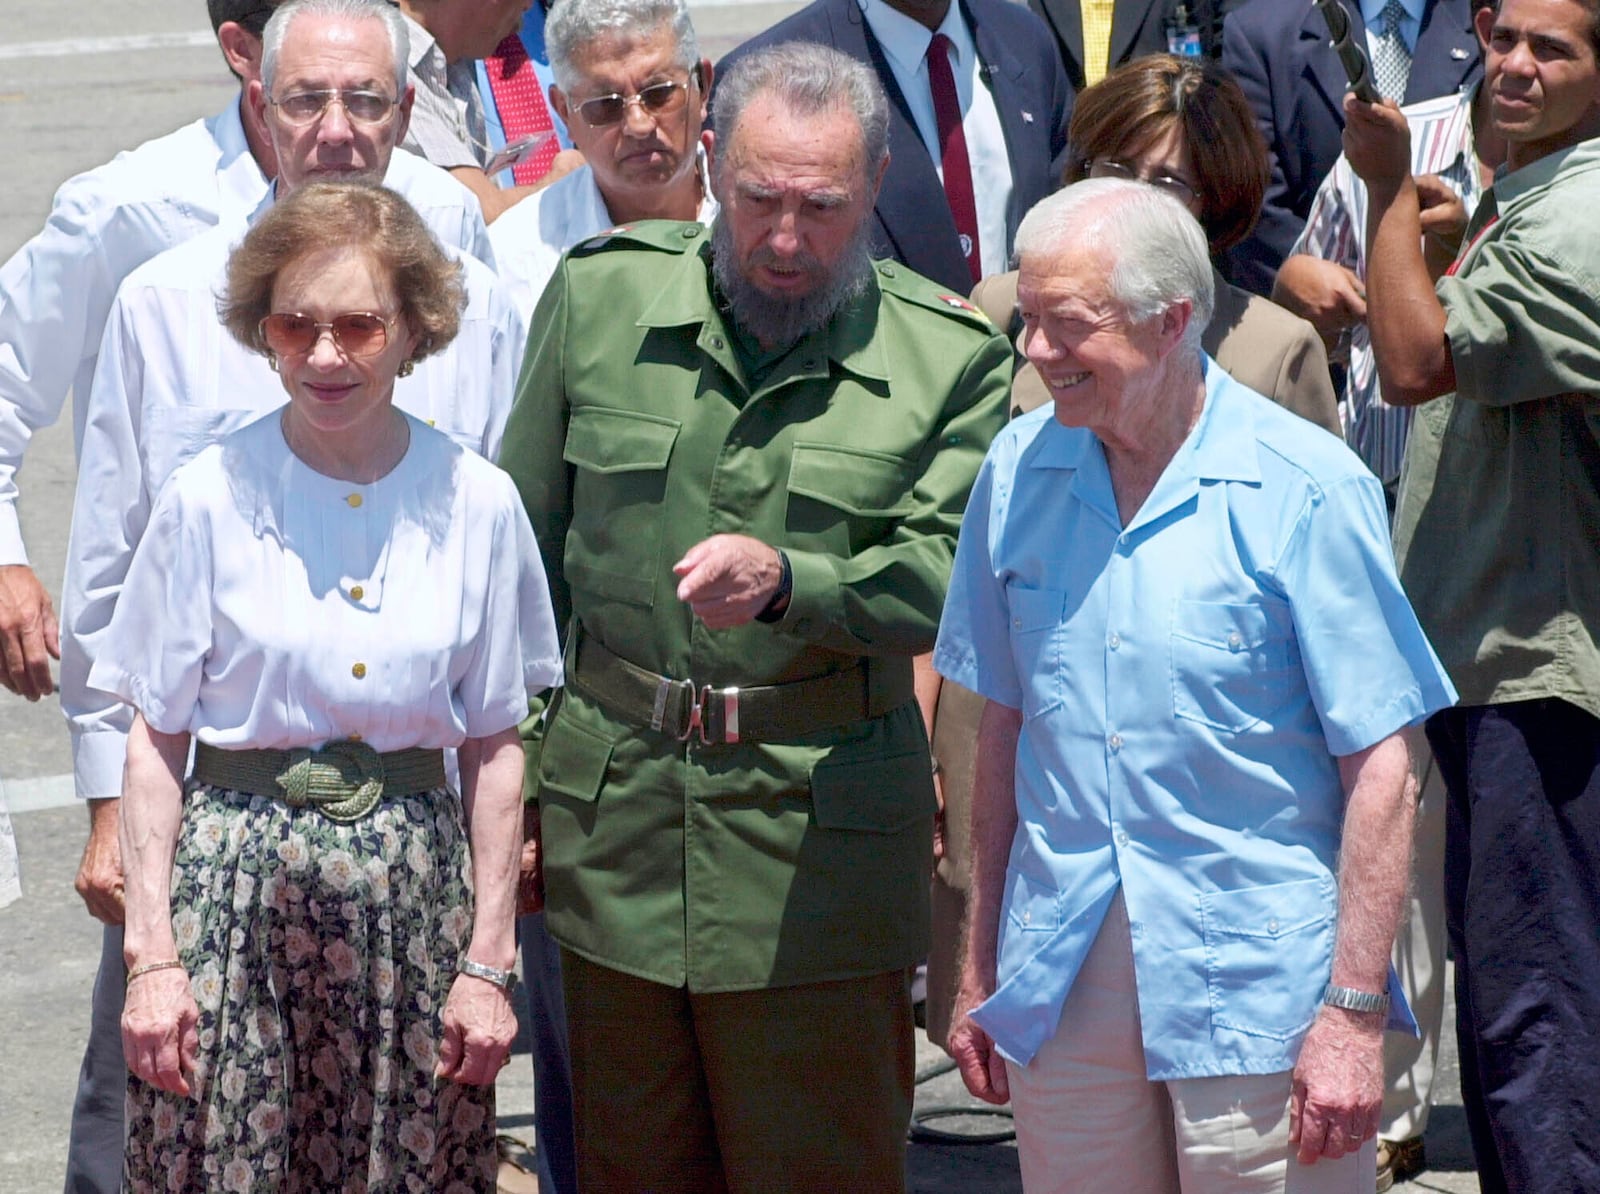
(905, 44)
(172, 381)
(233, 624)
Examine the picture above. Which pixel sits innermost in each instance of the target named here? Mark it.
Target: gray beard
(780, 321)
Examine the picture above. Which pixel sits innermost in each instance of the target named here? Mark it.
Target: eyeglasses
(1179, 189)
(355, 333)
(658, 99)
(363, 107)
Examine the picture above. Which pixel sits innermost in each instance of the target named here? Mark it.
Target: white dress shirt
(273, 606)
(905, 44)
(56, 291)
(172, 382)
(530, 238)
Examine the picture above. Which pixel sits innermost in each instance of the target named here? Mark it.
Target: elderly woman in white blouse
(319, 932)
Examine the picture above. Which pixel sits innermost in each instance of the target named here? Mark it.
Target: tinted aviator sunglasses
(355, 333)
(658, 99)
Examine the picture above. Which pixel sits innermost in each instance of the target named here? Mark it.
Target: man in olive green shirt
(1498, 540)
(745, 455)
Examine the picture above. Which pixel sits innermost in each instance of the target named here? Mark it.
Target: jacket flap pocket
(859, 482)
(883, 795)
(618, 441)
(573, 760)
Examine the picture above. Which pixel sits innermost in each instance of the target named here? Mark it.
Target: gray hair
(1157, 248)
(572, 27)
(808, 79)
(354, 11)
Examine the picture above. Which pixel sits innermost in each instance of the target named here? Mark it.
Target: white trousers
(1088, 1119)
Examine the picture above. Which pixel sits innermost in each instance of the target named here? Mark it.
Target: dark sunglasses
(658, 99)
(355, 333)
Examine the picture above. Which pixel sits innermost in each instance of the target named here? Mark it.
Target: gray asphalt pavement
(69, 99)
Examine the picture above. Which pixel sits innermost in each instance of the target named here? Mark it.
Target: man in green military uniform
(745, 455)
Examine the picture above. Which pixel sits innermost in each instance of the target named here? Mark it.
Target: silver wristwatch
(504, 979)
(1355, 1001)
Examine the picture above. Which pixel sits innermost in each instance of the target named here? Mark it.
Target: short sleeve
(1370, 669)
(517, 654)
(161, 632)
(974, 647)
(1521, 325)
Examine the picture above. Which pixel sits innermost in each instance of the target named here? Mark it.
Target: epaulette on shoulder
(668, 236)
(896, 279)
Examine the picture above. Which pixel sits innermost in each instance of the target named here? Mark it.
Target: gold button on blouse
(357, 592)
(359, 670)
(354, 499)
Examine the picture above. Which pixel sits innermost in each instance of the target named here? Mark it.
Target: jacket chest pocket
(1231, 662)
(840, 498)
(614, 545)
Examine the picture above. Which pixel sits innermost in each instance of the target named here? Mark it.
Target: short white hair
(394, 27)
(1157, 249)
(573, 26)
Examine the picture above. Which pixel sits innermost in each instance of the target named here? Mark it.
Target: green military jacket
(635, 435)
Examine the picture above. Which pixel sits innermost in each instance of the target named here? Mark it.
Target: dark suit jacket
(912, 221)
(1280, 52)
(1138, 27)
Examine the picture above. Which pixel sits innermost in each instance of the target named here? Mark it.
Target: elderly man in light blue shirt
(1193, 809)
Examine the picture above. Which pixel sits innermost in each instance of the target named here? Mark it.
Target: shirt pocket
(1230, 662)
(841, 499)
(613, 548)
(1269, 951)
(174, 435)
(1037, 629)
(872, 795)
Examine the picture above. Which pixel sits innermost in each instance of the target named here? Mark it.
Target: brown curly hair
(356, 215)
(1135, 105)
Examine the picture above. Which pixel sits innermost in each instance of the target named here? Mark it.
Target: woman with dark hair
(1183, 126)
(319, 931)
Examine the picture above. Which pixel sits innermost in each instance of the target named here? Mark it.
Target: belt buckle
(712, 701)
(356, 767)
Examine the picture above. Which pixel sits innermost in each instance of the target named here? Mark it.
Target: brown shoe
(1399, 1161)
(514, 1177)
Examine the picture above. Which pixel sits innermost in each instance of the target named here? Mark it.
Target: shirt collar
(1372, 12)
(1220, 447)
(906, 41)
(1511, 185)
(239, 177)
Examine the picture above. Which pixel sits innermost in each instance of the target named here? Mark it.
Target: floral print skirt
(320, 955)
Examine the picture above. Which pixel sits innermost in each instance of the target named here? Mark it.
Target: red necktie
(953, 149)
(519, 99)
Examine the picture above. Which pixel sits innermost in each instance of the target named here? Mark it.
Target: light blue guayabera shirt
(1185, 684)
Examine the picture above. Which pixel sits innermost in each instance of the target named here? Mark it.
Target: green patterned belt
(344, 780)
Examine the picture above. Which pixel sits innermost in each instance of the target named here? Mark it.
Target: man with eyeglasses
(632, 89)
(331, 101)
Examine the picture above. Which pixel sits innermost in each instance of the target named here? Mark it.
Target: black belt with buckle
(765, 713)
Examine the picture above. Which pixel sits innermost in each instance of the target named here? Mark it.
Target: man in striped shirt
(1454, 153)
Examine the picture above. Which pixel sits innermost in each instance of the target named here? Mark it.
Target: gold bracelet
(148, 967)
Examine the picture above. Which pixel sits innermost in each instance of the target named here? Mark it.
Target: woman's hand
(159, 1035)
(479, 1026)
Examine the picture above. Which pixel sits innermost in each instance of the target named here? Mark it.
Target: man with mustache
(745, 456)
(1496, 542)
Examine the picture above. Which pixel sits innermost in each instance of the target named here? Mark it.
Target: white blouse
(269, 605)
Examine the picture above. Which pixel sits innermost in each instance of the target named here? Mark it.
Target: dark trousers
(552, 1063)
(95, 1149)
(785, 1088)
(1522, 891)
